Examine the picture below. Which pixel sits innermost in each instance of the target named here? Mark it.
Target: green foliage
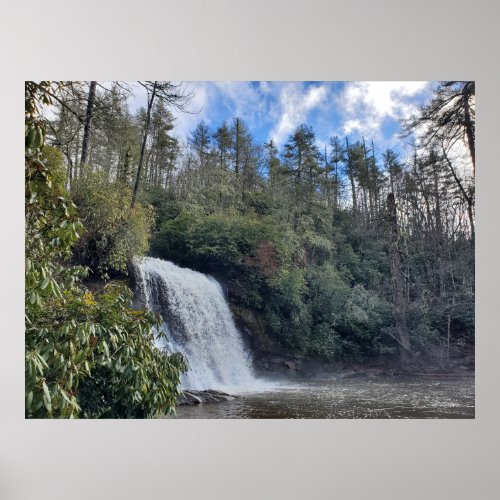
(129, 376)
(312, 309)
(114, 232)
(93, 356)
(165, 204)
(211, 241)
(321, 315)
(287, 310)
(85, 355)
(299, 236)
(53, 159)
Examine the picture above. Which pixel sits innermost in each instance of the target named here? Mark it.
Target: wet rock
(292, 365)
(190, 398)
(351, 374)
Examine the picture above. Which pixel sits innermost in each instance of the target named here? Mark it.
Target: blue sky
(274, 109)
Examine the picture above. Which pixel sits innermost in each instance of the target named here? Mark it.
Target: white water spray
(198, 324)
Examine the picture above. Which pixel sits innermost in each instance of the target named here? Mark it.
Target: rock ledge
(200, 397)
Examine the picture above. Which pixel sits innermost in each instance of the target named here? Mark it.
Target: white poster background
(249, 40)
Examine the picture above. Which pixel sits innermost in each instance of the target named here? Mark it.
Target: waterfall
(198, 323)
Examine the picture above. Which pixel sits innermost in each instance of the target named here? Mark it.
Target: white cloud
(365, 105)
(199, 110)
(243, 99)
(137, 98)
(295, 102)
(252, 103)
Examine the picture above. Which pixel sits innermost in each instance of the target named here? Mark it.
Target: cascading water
(198, 324)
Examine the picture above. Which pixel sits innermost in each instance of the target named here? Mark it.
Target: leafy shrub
(347, 320)
(287, 310)
(211, 241)
(85, 355)
(165, 204)
(114, 232)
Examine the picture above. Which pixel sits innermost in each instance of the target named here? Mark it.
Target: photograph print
(250, 249)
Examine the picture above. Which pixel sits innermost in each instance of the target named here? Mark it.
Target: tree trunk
(468, 198)
(237, 147)
(398, 284)
(88, 120)
(438, 234)
(126, 167)
(69, 175)
(369, 209)
(336, 188)
(351, 177)
(143, 146)
(469, 128)
(375, 183)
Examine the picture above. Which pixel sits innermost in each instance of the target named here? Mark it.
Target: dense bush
(165, 204)
(211, 241)
(114, 232)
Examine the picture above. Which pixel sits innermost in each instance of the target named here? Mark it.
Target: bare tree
(88, 120)
(398, 283)
(450, 114)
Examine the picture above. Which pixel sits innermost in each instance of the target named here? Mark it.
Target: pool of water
(435, 396)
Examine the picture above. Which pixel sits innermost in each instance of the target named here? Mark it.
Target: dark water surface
(433, 396)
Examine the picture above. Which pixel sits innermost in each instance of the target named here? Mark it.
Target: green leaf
(38, 139)
(30, 137)
(47, 404)
(105, 347)
(46, 391)
(29, 399)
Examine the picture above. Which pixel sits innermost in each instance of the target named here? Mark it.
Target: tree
(450, 115)
(65, 130)
(172, 94)
(350, 172)
(88, 120)
(163, 149)
(376, 181)
(398, 283)
(94, 124)
(239, 133)
(273, 164)
(200, 141)
(394, 168)
(447, 120)
(114, 233)
(223, 141)
(301, 159)
(337, 157)
(244, 156)
(466, 191)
